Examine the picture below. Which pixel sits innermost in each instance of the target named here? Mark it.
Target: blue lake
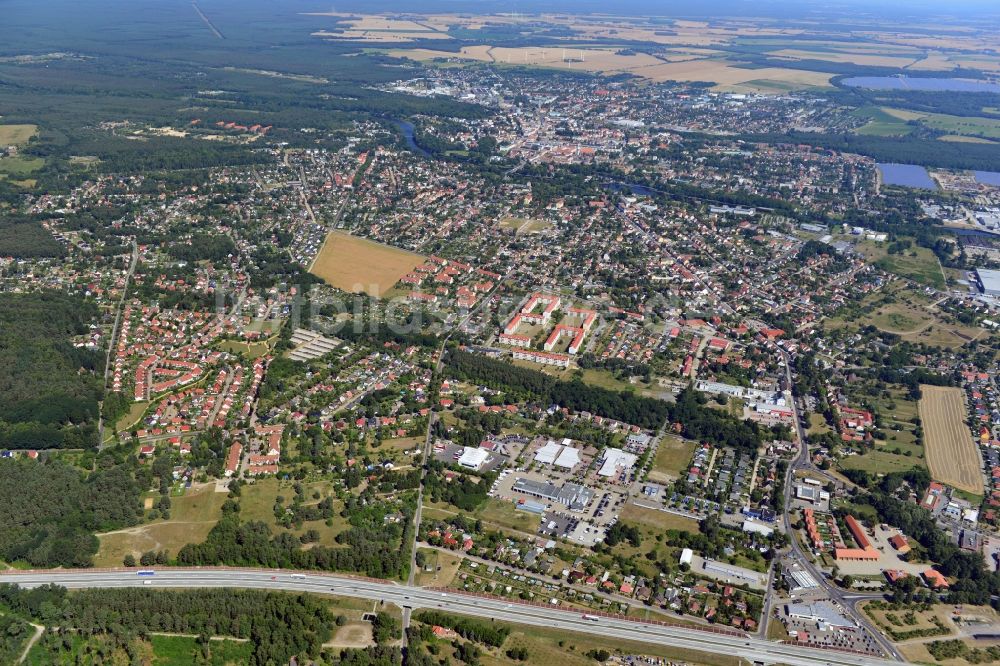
(407, 128)
(920, 83)
(988, 177)
(907, 175)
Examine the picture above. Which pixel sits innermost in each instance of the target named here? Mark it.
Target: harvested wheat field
(952, 454)
(360, 265)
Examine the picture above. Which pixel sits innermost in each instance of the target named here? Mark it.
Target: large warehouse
(989, 281)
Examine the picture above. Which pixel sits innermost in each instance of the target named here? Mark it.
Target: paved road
(803, 462)
(415, 597)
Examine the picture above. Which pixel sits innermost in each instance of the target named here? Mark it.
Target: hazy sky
(706, 8)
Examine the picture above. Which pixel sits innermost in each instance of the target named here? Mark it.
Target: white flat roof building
(568, 458)
(989, 281)
(547, 454)
(686, 556)
(473, 458)
(615, 459)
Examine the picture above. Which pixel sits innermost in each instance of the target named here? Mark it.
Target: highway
(409, 596)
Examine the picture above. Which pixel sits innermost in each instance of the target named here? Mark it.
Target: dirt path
(140, 529)
(31, 642)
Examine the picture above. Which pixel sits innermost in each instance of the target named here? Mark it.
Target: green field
(253, 350)
(880, 462)
(20, 165)
(493, 512)
(672, 457)
(660, 520)
(184, 650)
(257, 501)
(916, 263)
(881, 123)
(962, 125)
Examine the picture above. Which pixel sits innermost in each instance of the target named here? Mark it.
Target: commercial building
(821, 613)
(561, 455)
(571, 495)
(473, 458)
(613, 460)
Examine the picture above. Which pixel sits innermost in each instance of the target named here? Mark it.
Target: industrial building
(989, 281)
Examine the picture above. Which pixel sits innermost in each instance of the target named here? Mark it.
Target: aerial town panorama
(403, 334)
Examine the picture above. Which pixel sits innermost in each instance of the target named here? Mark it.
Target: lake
(407, 129)
(988, 177)
(920, 83)
(907, 175)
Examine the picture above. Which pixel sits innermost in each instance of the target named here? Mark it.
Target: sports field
(359, 265)
(952, 455)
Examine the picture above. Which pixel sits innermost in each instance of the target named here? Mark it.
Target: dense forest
(278, 626)
(49, 389)
(373, 550)
(25, 238)
(49, 512)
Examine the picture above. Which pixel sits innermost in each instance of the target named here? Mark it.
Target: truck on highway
(145, 572)
(592, 618)
(298, 575)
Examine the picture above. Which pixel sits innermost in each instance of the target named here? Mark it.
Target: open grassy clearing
(192, 516)
(184, 650)
(952, 454)
(352, 635)
(958, 138)
(258, 498)
(962, 125)
(880, 461)
(524, 225)
(253, 350)
(132, 418)
(495, 514)
(16, 135)
(20, 165)
(659, 520)
(817, 424)
(916, 263)
(881, 123)
(906, 312)
(443, 568)
(672, 457)
(360, 265)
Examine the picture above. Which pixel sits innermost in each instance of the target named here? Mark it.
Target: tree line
(279, 626)
(575, 395)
